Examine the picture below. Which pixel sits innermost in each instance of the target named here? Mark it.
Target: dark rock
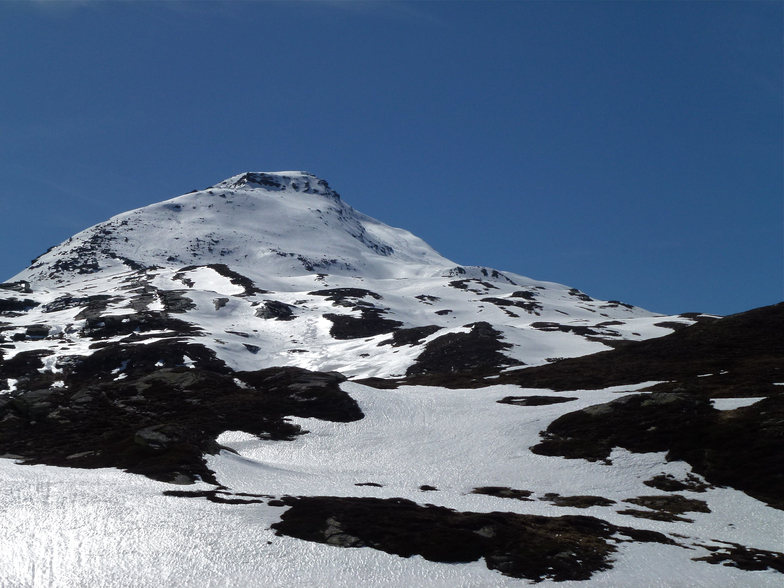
(16, 305)
(536, 400)
(24, 364)
(665, 508)
(427, 299)
(92, 305)
(503, 492)
(579, 295)
(478, 350)
(273, 309)
(160, 421)
(176, 301)
(21, 286)
(576, 501)
(522, 546)
(669, 483)
(37, 331)
(412, 336)
(748, 346)
(675, 326)
(104, 327)
(743, 448)
(742, 557)
(369, 324)
(341, 294)
(527, 305)
(471, 285)
(237, 279)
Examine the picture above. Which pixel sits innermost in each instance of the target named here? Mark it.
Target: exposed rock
(536, 400)
(176, 301)
(478, 350)
(104, 327)
(339, 295)
(669, 483)
(745, 350)
(665, 508)
(273, 309)
(503, 492)
(369, 324)
(16, 305)
(738, 556)
(742, 448)
(522, 546)
(531, 307)
(37, 331)
(21, 286)
(161, 417)
(577, 501)
(412, 336)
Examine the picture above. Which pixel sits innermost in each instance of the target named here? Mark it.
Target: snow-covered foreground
(70, 528)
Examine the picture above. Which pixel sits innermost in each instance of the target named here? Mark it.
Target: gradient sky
(633, 150)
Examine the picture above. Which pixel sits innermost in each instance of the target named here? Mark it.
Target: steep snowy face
(274, 224)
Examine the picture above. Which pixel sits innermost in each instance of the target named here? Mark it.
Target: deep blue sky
(632, 150)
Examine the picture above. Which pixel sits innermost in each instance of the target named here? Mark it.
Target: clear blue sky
(632, 150)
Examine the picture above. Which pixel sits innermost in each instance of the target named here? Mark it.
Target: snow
(66, 527)
(293, 236)
(733, 403)
(269, 230)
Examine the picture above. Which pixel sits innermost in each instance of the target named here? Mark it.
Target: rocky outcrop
(517, 545)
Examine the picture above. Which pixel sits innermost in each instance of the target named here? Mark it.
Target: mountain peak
(279, 223)
(297, 181)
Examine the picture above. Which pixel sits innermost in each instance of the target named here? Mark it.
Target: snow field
(104, 528)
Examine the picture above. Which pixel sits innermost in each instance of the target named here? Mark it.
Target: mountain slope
(198, 342)
(275, 269)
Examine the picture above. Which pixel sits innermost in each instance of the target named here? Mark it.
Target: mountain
(261, 374)
(280, 265)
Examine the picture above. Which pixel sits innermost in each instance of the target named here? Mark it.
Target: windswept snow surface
(67, 527)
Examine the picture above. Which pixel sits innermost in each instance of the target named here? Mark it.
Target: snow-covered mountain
(275, 269)
(227, 387)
